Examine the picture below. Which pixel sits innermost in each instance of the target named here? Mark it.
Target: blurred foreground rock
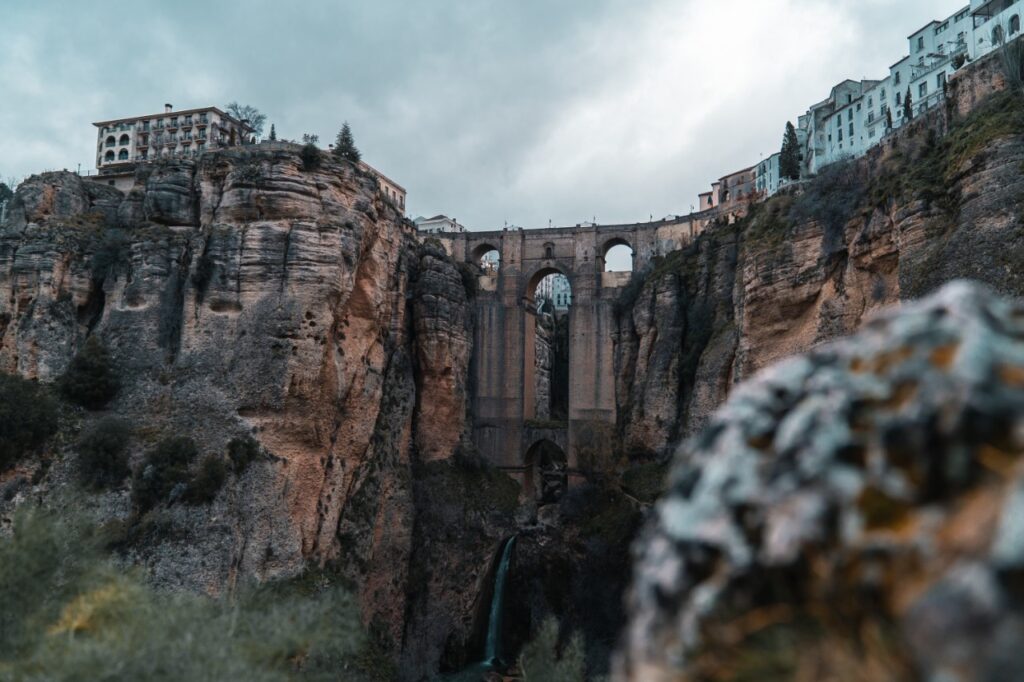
(856, 513)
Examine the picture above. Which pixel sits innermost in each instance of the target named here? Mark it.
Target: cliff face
(943, 200)
(243, 295)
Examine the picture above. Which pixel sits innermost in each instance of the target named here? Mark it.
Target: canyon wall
(942, 199)
(246, 294)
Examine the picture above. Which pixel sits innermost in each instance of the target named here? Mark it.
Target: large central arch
(530, 410)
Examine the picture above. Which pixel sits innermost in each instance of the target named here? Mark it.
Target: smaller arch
(1015, 24)
(111, 141)
(547, 471)
(109, 156)
(487, 257)
(122, 155)
(617, 255)
(125, 140)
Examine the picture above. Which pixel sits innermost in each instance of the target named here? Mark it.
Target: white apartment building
(124, 142)
(437, 224)
(857, 115)
(556, 288)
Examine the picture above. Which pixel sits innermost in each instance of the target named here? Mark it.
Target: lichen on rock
(869, 486)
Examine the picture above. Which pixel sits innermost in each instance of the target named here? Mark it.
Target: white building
(437, 224)
(556, 289)
(857, 115)
(123, 142)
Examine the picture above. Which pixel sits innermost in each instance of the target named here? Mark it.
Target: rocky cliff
(248, 294)
(942, 199)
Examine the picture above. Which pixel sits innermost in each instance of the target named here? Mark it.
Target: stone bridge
(502, 373)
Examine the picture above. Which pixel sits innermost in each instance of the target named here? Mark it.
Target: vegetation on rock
(103, 453)
(91, 379)
(242, 451)
(208, 480)
(164, 469)
(345, 145)
(543, 660)
(67, 613)
(28, 417)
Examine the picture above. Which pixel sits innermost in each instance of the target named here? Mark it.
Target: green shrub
(540, 660)
(311, 157)
(164, 468)
(28, 417)
(242, 452)
(103, 454)
(208, 481)
(91, 379)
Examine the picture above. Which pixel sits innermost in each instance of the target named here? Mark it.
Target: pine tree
(345, 145)
(789, 160)
(888, 118)
(273, 133)
(908, 106)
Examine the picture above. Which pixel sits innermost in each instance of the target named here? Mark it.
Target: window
(849, 114)
(899, 98)
(111, 141)
(881, 95)
(997, 35)
(122, 155)
(871, 102)
(851, 130)
(858, 106)
(840, 135)
(1014, 24)
(940, 80)
(896, 79)
(922, 89)
(125, 140)
(920, 43)
(871, 117)
(109, 156)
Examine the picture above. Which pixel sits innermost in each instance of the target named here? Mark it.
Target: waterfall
(492, 649)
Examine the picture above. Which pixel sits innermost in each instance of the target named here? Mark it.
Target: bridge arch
(617, 247)
(486, 256)
(546, 471)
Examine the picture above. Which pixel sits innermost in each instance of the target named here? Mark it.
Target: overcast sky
(489, 111)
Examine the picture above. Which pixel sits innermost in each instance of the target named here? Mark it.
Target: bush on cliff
(208, 481)
(103, 454)
(28, 417)
(242, 452)
(311, 158)
(91, 379)
(165, 468)
(68, 613)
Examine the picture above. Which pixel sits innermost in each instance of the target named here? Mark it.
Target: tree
(248, 113)
(908, 106)
(309, 138)
(273, 133)
(789, 160)
(6, 193)
(888, 118)
(91, 379)
(345, 145)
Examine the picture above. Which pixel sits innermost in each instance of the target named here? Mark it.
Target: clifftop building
(124, 142)
(438, 224)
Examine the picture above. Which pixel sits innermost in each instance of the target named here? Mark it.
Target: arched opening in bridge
(488, 258)
(617, 256)
(546, 471)
(546, 392)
